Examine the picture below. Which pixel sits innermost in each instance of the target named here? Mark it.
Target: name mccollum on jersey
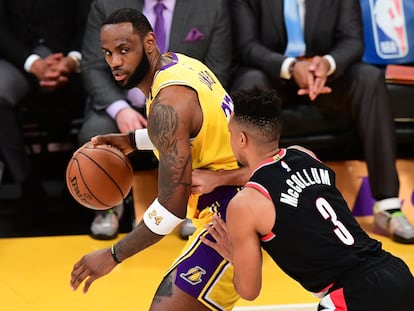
(298, 181)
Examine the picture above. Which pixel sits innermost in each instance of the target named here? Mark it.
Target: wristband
(140, 140)
(114, 256)
(160, 220)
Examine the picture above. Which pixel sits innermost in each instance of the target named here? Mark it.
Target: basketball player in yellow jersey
(188, 112)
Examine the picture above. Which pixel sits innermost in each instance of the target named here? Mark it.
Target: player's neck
(260, 156)
(157, 62)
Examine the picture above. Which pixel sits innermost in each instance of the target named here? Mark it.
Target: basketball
(99, 177)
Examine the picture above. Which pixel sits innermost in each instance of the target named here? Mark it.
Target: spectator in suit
(39, 55)
(324, 70)
(197, 28)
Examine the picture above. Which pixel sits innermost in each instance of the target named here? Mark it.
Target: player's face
(236, 141)
(124, 53)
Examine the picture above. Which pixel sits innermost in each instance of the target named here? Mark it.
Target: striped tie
(159, 28)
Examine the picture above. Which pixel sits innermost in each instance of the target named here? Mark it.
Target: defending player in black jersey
(292, 208)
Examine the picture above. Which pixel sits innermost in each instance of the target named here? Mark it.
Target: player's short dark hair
(259, 109)
(138, 20)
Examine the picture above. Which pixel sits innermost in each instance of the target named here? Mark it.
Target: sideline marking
(289, 307)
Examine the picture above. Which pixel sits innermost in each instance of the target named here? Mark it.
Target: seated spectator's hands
(317, 74)
(302, 75)
(40, 66)
(63, 66)
(57, 71)
(128, 119)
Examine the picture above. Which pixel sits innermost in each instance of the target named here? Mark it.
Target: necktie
(159, 28)
(296, 43)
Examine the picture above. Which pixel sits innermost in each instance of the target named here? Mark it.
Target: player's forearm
(135, 241)
(236, 177)
(244, 286)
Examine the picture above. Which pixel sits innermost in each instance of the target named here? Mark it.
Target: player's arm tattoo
(138, 239)
(162, 129)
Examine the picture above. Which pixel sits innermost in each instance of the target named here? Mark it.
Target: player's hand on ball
(99, 177)
(118, 140)
(218, 231)
(91, 267)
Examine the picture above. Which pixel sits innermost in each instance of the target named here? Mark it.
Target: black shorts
(381, 285)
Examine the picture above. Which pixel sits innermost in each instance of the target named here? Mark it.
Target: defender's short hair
(260, 109)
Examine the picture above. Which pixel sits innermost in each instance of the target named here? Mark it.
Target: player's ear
(243, 139)
(150, 43)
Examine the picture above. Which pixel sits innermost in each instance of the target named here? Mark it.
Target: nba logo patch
(389, 28)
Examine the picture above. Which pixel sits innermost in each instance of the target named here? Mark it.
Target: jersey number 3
(328, 212)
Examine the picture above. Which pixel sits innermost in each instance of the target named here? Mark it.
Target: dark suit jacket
(24, 24)
(209, 17)
(331, 27)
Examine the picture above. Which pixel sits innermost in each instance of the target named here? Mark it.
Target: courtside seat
(335, 137)
(402, 99)
(307, 126)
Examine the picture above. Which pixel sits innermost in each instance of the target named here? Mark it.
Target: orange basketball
(99, 177)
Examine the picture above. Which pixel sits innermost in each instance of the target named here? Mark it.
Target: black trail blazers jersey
(315, 238)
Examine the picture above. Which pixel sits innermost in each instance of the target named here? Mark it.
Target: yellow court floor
(35, 272)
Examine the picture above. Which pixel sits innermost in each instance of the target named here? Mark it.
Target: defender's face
(124, 53)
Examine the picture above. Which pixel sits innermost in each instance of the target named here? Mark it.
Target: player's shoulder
(247, 195)
(253, 205)
(182, 100)
(304, 150)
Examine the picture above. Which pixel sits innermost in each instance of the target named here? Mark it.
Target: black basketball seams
(103, 170)
(122, 158)
(101, 177)
(117, 152)
(86, 185)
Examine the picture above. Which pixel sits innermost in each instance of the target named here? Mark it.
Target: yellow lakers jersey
(210, 149)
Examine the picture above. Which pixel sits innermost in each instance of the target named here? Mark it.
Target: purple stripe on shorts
(195, 272)
(218, 199)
